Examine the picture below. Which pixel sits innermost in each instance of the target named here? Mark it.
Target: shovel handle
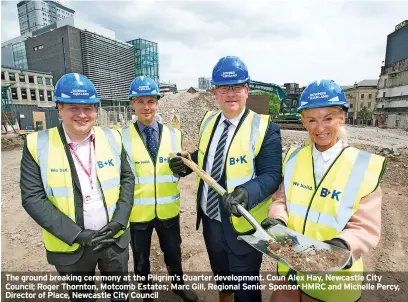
(219, 189)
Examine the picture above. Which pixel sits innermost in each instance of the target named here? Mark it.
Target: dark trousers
(112, 261)
(170, 241)
(225, 262)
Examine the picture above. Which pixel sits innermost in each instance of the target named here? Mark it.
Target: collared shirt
(211, 153)
(154, 125)
(323, 160)
(95, 216)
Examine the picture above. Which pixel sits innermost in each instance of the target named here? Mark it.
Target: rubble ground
(22, 249)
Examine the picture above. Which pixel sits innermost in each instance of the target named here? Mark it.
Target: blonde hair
(341, 133)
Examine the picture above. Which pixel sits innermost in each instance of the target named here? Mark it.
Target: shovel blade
(304, 254)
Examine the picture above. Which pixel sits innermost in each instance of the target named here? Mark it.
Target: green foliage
(274, 103)
(365, 114)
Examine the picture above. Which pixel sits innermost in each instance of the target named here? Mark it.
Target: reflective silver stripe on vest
(111, 210)
(234, 182)
(205, 123)
(114, 145)
(126, 144)
(289, 168)
(173, 139)
(159, 179)
(151, 201)
(345, 208)
(110, 183)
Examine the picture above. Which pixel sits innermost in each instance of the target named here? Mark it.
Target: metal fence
(114, 117)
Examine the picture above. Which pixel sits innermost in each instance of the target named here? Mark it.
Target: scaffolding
(115, 117)
(8, 110)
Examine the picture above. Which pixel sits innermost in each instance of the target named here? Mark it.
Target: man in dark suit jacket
(65, 193)
(243, 152)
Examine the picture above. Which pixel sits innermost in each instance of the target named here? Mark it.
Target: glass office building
(146, 58)
(19, 55)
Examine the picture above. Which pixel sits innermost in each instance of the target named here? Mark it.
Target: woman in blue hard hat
(78, 186)
(331, 193)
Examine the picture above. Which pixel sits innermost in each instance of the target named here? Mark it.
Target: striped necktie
(216, 172)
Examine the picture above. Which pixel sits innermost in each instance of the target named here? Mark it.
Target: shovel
(297, 251)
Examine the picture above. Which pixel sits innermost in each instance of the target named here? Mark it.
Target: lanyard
(88, 172)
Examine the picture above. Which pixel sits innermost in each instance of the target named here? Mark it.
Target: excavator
(288, 118)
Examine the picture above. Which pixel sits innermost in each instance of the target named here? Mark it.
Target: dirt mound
(10, 142)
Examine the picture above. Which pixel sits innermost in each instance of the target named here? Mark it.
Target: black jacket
(37, 205)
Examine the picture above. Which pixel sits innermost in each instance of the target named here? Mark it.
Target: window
(362, 95)
(22, 78)
(2, 76)
(369, 104)
(42, 99)
(12, 76)
(384, 94)
(48, 81)
(14, 94)
(32, 94)
(31, 79)
(351, 106)
(24, 94)
(49, 96)
(369, 96)
(39, 80)
(35, 48)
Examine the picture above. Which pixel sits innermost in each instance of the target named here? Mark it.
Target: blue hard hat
(322, 94)
(143, 86)
(230, 71)
(75, 88)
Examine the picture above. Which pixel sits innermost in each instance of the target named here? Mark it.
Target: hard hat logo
(144, 88)
(229, 74)
(319, 95)
(77, 92)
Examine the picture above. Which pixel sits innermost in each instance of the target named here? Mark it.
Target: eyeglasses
(234, 88)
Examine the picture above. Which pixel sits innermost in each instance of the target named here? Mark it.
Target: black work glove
(231, 200)
(85, 238)
(178, 167)
(343, 244)
(104, 237)
(272, 222)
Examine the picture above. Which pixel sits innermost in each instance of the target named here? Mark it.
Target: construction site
(22, 247)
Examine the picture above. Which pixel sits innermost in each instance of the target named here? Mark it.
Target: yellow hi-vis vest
(48, 151)
(321, 211)
(157, 191)
(240, 159)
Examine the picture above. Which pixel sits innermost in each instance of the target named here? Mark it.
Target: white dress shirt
(211, 153)
(323, 160)
(95, 215)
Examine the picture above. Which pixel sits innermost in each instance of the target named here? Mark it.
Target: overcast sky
(279, 41)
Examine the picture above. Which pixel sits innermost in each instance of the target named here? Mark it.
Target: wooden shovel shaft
(202, 174)
(219, 189)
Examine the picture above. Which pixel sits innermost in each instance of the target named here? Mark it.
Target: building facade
(392, 98)
(33, 15)
(167, 88)
(360, 95)
(107, 62)
(146, 58)
(28, 87)
(204, 83)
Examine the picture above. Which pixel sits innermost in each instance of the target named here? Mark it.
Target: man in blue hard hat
(242, 151)
(78, 186)
(156, 191)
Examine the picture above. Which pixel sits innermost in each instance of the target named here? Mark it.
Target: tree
(365, 114)
(274, 103)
